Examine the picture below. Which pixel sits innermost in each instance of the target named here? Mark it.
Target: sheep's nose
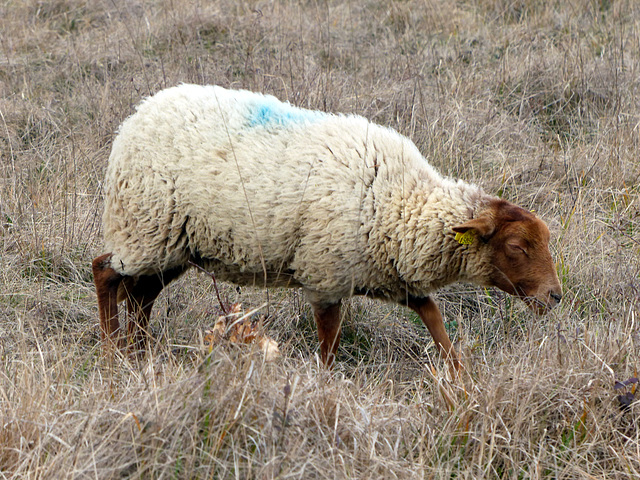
(556, 296)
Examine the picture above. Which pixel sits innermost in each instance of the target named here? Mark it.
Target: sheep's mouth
(538, 306)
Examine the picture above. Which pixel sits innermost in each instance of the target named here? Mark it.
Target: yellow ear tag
(465, 238)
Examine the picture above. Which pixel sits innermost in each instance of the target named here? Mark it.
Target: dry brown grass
(537, 101)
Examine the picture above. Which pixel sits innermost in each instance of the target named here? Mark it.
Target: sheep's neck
(418, 243)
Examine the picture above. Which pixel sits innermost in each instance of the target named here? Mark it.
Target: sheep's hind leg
(428, 311)
(107, 281)
(328, 322)
(140, 299)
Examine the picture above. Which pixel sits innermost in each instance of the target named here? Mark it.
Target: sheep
(263, 193)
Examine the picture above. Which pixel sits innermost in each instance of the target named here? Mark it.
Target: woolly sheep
(263, 193)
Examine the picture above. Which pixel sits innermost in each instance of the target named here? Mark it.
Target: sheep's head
(518, 248)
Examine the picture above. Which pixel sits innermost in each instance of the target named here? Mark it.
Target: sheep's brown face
(518, 244)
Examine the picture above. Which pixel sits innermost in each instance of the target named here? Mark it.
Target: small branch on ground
(215, 285)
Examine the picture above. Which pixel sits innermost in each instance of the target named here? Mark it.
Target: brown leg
(140, 299)
(328, 321)
(107, 281)
(139, 304)
(428, 311)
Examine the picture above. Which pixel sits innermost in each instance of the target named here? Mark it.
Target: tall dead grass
(536, 101)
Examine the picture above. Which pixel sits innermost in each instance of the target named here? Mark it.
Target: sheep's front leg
(430, 315)
(328, 322)
(107, 281)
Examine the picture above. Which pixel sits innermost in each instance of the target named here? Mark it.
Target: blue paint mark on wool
(274, 113)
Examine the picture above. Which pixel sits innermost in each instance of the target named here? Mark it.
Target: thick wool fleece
(261, 192)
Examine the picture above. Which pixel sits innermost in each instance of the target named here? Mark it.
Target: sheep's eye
(516, 248)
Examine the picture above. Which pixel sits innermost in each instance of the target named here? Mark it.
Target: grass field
(538, 102)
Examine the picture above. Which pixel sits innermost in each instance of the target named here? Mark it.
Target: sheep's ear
(482, 227)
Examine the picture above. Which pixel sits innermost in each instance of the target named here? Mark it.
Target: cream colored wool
(245, 184)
